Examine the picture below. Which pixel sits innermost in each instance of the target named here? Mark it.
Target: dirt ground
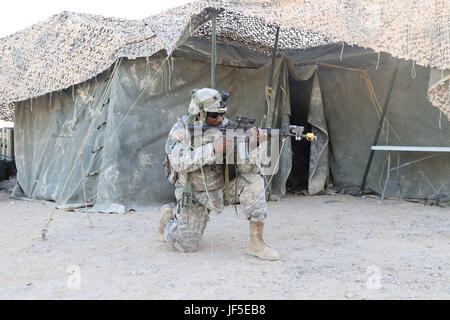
(331, 247)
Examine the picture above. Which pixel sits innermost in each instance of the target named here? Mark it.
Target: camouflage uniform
(197, 156)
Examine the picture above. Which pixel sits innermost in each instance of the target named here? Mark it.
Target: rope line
(84, 192)
(50, 217)
(121, 121)
(276, 164)
(269, 93)
(378, 61)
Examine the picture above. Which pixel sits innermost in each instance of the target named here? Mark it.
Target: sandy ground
(331, 247)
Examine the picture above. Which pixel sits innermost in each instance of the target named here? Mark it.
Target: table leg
(398, 176)
(387, 176)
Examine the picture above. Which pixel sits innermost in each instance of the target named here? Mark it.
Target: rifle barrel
(268, 130)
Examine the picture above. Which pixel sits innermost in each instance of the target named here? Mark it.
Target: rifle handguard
(242, 121)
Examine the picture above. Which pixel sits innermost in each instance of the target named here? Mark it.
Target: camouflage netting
(259, 35)
(439, 90)
(7, 111)
(70, 48)
(415, 30)
(66, 49)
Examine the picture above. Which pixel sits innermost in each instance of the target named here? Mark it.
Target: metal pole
(380, 125)
(272, 69)
(274, 54)
(213, 51)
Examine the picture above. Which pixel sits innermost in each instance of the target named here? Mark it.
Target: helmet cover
(206, 99)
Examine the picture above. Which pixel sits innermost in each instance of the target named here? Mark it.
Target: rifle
(243, 122)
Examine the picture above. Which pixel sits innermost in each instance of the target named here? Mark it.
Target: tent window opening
(300, 96)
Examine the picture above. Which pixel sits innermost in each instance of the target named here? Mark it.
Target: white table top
(411, 148)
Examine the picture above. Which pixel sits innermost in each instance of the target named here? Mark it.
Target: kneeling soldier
(201, 185)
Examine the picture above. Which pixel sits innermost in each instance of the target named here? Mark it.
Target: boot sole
(261, 256)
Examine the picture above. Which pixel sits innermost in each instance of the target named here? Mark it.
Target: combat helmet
(206, 100)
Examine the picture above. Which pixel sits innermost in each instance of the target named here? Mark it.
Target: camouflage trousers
(185, 231)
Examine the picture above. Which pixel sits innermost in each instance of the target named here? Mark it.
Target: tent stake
(213, 51)
(380, 125)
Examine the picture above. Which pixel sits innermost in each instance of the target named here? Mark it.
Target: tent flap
(319, 166)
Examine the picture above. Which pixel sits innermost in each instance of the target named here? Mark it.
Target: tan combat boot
(166, 215)
(256, 245)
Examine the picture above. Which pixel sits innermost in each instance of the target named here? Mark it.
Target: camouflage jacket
(196, 156)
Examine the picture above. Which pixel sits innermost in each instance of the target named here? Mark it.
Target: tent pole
(380, 125)
(213, 51)
(272, 69)
(274, 55)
